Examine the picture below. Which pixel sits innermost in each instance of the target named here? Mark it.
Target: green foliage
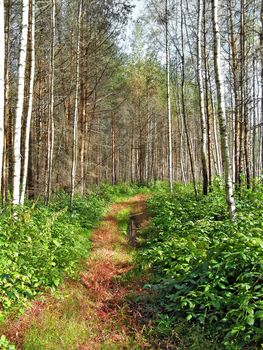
(121, 191)
(207, 269)
(64, 333)
(123, 220)
(5, 344)
(42, 244)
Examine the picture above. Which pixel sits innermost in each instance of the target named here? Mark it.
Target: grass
(123, 220)
(90, 313)
(45, 245)
(58, 334)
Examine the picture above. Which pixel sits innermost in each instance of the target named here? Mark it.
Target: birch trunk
(30, 102)
(261, 77)
(76, 112)
(50, 146)
(188, 141)
(7, 119)
(169, 114)
(2, 84)
(222, 113)
(201, 99)
(113, 152)
(207, 92)
(20, 104)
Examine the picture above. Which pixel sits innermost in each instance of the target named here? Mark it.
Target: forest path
(93, 313)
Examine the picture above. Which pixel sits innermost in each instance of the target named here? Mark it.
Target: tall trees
(76, 111)
(51, 77)
(169, 114)
(261, 62)
(222, 112)
(20, 103)
(201, 99)
(30, 99)
(80, 112)
(183, 100)
(2, 84)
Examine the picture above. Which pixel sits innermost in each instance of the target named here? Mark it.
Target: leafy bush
(207, 269)
(121, 190)
(41, 244)
(5, 344)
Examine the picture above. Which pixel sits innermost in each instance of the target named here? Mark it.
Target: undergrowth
(206, 270)
(40, 245)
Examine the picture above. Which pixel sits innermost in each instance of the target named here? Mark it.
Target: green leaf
(189, 317)
(259, 314)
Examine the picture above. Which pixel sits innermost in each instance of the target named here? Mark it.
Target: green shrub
(5, 344)
(207, 269)
(43, 243)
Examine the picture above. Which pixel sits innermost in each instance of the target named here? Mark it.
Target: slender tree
(183, 81)
(20, 104)
(222, 112)
(201, 99)
(261, 62)
(2, 85)
(169, 113)
(30, 102)
(76, 111)
(50, 131)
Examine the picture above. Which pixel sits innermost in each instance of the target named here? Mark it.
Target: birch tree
(20, 104)
(75, 122)
(183, 81)
(50, 146)
(169, 113)
(261, 75)
(222, 112)
(2, 84)
(30, 102)
(201, 99)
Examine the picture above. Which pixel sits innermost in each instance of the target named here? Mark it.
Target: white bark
(222, 114)
(75, 122)
(202, 99)
(169, 113)
(20, 104)
(30, 102)
(2, 84)
(51, 104)
(261, 82)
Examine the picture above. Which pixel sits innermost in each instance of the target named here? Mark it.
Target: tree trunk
(30, 102)
(50, 130)
(2, 85)
(261, 62)
(20, 104)
(207, 92)
(236, 174)
(222, 113)
(169, 114)
(75, 122)
(113, 149)
(7, 122)
(192, 165)
(201, 99)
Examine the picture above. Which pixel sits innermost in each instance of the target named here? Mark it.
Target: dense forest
(162, 113)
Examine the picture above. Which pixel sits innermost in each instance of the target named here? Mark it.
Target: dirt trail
(111, 259)
(94, 307)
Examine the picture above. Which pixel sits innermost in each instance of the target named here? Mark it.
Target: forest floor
(92, 312)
